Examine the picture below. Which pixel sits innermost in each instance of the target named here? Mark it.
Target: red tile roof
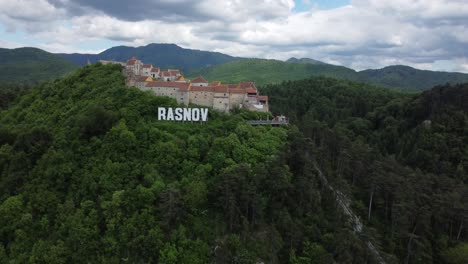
(155, 70)
(199, 79)
(236, 91)
(251, 90)
(233, 86)
(215, 83)
(165, 74)
(141, 78)
(246, 84)
(202, 88)
(221, 89)
(263, 98)
(131, 61)
(147, 66)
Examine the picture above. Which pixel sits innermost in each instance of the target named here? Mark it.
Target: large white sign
(183, 114)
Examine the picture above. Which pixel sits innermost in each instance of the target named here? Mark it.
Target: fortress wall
(236, 99)
(201, 98)
(221, 103)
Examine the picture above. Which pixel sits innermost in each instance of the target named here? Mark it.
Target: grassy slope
(31, 65)
(268, 71)
(273, 71)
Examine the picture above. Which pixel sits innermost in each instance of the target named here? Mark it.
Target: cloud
(363, 34)
(29, 10)
(179, 10)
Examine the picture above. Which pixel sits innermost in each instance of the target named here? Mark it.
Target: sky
(360, 34)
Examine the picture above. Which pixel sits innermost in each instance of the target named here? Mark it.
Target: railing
(268, 122)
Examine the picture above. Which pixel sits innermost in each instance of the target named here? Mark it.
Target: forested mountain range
(402, 158)
(31, 65)
(305, 60)
(160, 55)
(264, 71)
(88, 174)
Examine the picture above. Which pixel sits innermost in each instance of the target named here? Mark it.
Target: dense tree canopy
(403, 157)
(88, 174)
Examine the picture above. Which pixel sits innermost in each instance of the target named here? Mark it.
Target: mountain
(305, 60)
(264, 71)
(31, 65)
(363, 175)
(160, 55)
(384, 149)
(408, 78)
(89, 175)
(218, 66)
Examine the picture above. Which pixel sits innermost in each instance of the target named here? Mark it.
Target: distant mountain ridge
(31, 65)
(264, 71)
(160, 55)
(408, 78)
(305, 60)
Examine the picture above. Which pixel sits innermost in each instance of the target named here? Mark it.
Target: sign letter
(187, 114)
(195, 114)
(170, 114)
(204, 114)
(161, 113)
(178, 114)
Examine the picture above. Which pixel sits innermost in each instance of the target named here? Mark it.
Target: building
(171, 83)
(147, 69)
(134, 66)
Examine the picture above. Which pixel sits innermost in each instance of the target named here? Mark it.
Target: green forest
(28, 66)
(263, 72)
(89, 175)
(402, 157)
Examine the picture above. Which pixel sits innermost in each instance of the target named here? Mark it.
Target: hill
(264, 71)
(31, 65)
(383, 149)
(408, 78)
(160, 55)
(88, 174)
(273, 71)
(305, 60)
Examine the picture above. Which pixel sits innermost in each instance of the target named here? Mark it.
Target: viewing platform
(277, 121)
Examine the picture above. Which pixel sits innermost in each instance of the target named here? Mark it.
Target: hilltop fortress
(171, 83)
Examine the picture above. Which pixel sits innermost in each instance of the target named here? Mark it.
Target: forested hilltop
(31, 66)
(403, 158)
(88, 175)
(263, 72)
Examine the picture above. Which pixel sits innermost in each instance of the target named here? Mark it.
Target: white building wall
(146, 72)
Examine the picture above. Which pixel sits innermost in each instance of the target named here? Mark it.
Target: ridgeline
(264, 72)
(88, 174)
(31, 66)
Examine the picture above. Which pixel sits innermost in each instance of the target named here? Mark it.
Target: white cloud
(242, 10)
(29, 10)
(364, 34)
(10, 44)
